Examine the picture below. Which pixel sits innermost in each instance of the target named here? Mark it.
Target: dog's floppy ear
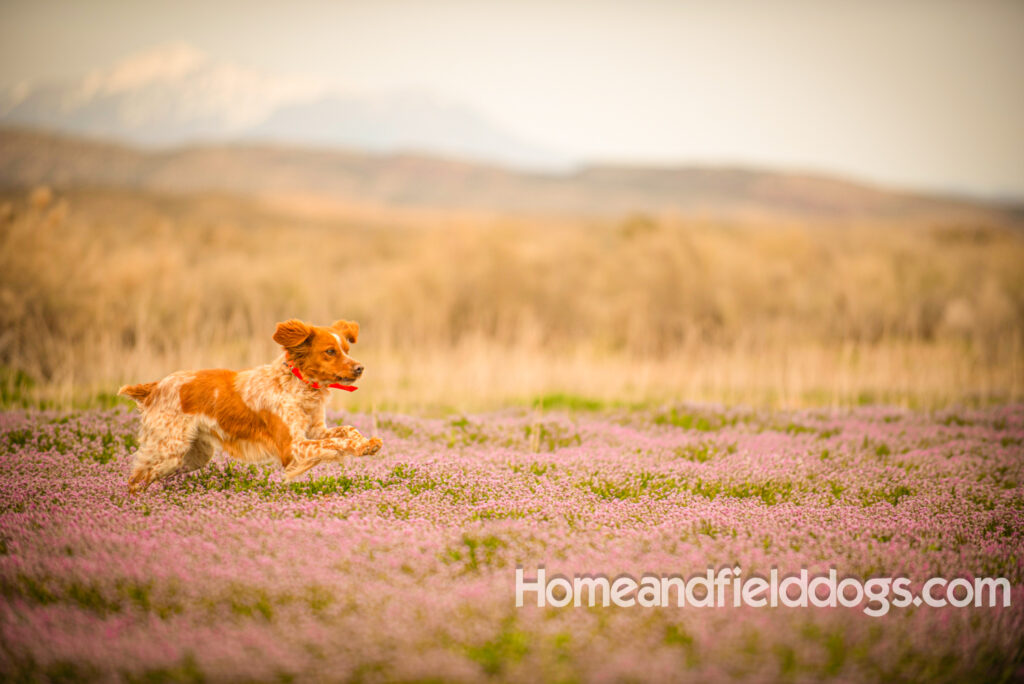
(350, 329)
(292, 333)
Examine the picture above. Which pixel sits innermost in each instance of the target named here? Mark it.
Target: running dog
(271, 412)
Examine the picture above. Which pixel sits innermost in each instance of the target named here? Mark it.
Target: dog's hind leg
(166, 450)
(198, 455)
(142, 467)
(151, 464)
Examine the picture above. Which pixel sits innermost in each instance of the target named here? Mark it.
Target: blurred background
(563, 203)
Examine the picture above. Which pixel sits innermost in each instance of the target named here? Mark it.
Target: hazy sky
(919, 94)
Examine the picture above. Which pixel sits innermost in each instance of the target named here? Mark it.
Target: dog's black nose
(358, 370)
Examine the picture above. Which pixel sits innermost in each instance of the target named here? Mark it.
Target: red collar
(315, 385)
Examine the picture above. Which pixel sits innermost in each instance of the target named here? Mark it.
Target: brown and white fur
(256, 415)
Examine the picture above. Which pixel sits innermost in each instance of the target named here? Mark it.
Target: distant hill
(29, 158)
(177, 94)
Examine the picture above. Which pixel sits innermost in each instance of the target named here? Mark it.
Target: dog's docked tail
(140, 393)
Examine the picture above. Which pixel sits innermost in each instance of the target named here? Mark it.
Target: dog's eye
(331, 352)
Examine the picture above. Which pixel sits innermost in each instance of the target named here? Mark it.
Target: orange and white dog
(270, 412)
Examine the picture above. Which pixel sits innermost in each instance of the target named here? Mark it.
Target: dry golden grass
(467, 311)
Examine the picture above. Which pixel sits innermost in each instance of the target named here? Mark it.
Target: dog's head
(321, 353)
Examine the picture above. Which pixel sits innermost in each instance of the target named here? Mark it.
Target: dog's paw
(292, 473)
(372, 446)
(296, 468)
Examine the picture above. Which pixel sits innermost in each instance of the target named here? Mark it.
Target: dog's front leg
(308, 453)
(359, 444)
(318, 425)
(354, 442)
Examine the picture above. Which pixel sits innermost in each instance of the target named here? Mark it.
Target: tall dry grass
(464, 311)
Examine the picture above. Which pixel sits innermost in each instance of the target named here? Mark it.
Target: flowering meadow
(402, 566)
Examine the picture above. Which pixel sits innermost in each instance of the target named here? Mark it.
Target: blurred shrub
(101, 285)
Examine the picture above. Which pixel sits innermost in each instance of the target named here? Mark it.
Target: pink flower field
(402, 566)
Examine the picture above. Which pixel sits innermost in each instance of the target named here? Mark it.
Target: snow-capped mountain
(178, 94)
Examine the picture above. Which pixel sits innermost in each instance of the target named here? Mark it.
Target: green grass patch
(474, 552)
(549, 437)
(891, 494)
(510, 645)
(702, 452)
(642, 484)
(687, 421)
(570, 402)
